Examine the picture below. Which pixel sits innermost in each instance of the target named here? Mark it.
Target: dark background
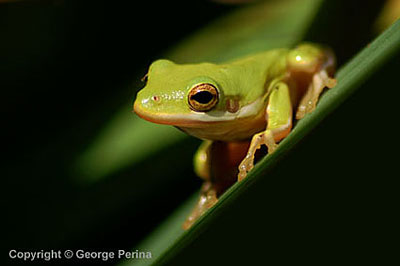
(66, 67)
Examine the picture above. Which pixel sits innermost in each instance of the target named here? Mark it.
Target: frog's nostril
(156, 98)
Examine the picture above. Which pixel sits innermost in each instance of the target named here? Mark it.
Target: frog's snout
(139, 108)
(142, 105)
(148, 102)
(148, 108)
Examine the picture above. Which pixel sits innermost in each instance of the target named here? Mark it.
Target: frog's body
(236, 107)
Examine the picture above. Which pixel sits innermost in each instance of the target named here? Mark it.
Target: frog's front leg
(279, 116)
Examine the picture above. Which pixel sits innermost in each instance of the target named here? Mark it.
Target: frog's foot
(279, 113)
(263, 138)
(208, 198)
(309, 101)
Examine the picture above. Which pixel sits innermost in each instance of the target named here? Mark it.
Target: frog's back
(250, 75)
(270, 62)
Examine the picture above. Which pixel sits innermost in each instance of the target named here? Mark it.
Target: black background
(66, 67)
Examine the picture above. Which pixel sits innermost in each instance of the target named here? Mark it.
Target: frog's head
(182, 94)
(194, 97)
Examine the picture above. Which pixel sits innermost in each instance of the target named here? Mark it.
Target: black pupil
(202, 97)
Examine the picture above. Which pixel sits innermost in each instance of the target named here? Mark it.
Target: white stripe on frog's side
(246, 111)
(249, 110)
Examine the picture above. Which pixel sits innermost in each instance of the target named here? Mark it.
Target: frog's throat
(197, 119)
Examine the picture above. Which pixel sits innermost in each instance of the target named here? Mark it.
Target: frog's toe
(245, 166)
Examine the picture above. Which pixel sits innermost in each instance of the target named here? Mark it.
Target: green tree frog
(236, 108)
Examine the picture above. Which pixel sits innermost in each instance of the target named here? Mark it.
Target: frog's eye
(203, 97)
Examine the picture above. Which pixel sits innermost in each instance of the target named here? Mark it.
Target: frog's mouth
(187, 120)
(198, 119)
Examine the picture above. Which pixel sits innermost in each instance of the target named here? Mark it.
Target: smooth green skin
(247, 81)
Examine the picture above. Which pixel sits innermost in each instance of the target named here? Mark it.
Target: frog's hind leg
(310, 67)
(279, 116)
(216, 162)
(308, 102)
(208, 193)
(202, 160)
(207, 199)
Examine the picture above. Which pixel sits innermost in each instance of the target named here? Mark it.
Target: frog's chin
(199, 119)
(235, 130)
